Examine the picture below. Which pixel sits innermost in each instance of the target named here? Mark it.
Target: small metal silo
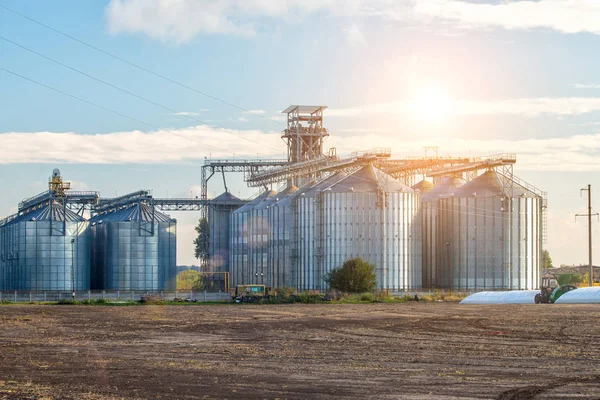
(219, 213)
(134, 248)
(45, 248)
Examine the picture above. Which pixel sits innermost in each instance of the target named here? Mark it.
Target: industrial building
(468, 224)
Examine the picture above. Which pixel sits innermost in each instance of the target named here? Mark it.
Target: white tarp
(585, 295)
(508, 297)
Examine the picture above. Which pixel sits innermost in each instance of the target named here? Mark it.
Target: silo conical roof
(47, 213)
(134, 212)
(423, 186)
(226, 198)
(251, 204)
(446, 187)
(487, 184)
(370, 179)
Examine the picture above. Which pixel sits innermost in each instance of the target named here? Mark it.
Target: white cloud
(585, 86)
(530, 107)
(243, 119)
(573, 153)
(181, 20)
(259, 112)
(355, 36)
(191, 113)
(182, 145)
(567, 16)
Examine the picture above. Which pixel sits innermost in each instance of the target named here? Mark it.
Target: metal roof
(370, 179)
(303, 109)
(250, 205)
(489, 184)
(445, 187)
(227, 198)
(134, 212)
(46, 213)
(423, 186)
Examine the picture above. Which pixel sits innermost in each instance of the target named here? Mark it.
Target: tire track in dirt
(530, 392)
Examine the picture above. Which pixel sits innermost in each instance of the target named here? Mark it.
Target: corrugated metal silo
(134, 248)
(429, 228)
(279, 272)
(308, 247)
(485, 245)
(46, 248)
(219, 214)
(366, 214)
(246, 241)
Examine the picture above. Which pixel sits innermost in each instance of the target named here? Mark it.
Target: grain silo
(134, 248)
(248, 240)
(490, 235)
(219, 213)
(366, 214)
(307, 240)
(429, 228)
(279, 262)
(45, 248)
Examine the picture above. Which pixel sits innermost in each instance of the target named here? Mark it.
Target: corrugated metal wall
(36, 251)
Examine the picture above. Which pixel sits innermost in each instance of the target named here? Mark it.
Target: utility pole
(589, 215)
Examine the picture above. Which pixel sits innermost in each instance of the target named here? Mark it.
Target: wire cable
(105, 108)
(138, 66)
(126, 91)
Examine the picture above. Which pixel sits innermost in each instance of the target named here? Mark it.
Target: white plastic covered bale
(508, 297)
(586, 295)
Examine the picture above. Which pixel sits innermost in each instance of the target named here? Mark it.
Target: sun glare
(431, 105)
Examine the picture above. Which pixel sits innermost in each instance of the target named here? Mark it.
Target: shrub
(355, 276)
(367, 297)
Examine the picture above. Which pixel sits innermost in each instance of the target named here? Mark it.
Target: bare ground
(386, 351)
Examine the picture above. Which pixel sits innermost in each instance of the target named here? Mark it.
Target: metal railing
(16, 296)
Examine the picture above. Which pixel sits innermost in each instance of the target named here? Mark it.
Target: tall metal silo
(219, 214)
(45, 248)
(279, 260)
(429, 228)
(366, 214)
(244, 239)
(134, 248)
(490, 236)
(373, 216)
(307, 242)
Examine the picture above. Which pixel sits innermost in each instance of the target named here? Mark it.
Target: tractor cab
(552, 287)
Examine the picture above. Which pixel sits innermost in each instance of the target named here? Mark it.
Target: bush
(367, 297)
(355, 276)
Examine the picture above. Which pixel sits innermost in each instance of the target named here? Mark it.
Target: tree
(546, 260)
(190, 279)
(355, 276)
(202, 240)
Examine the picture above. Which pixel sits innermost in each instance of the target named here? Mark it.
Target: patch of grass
(439, 296)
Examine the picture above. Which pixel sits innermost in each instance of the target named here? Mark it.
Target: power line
(137, 65)
(124, 90)
(104, 108)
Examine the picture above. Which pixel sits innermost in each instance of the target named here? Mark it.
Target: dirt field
(389, 351)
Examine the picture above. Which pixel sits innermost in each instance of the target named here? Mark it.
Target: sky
(473, 77)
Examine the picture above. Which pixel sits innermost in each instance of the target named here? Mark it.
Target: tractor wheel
(538, 298)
